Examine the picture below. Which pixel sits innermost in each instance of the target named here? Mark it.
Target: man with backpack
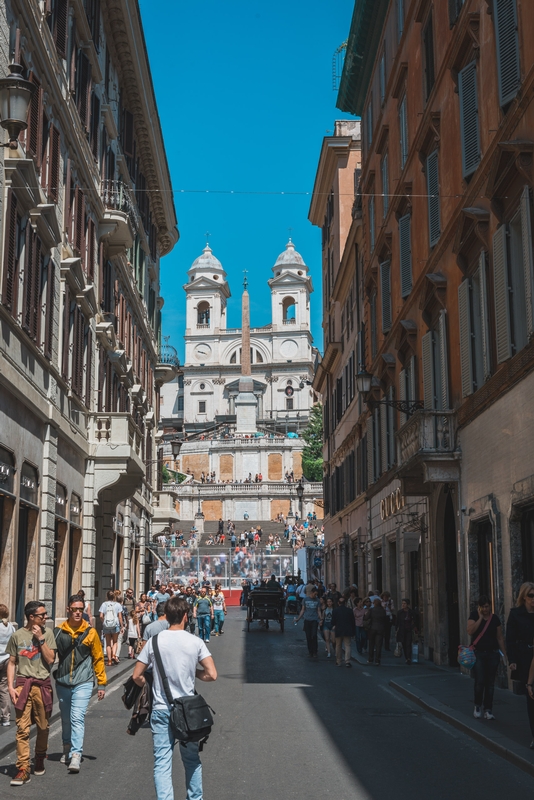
(183, 657)
(81, 660)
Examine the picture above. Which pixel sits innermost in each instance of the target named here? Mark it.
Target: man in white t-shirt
(184, 657)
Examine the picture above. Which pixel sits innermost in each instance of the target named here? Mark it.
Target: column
(89, 536)
(127, 546)
(145, 525)
(48, 504)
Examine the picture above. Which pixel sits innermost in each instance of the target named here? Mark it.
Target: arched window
(259, 357)
(203, 313)
(233, 357)
(288, 309)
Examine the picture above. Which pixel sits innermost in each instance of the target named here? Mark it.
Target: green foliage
(312, 454)
(165, 474)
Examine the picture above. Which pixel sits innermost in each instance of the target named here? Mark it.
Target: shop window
(378, 570)
(75, 510)
(7, 470)
(61, 501)
(28, 484)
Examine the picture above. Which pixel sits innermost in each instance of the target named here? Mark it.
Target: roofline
(332, 149)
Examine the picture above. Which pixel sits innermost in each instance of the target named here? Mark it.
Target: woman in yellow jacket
(81, 660)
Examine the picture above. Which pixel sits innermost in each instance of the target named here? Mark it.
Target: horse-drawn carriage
(264, 605)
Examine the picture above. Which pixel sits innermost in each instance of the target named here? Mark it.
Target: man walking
(81, 660)
(311, 611)
(344, 628)
(32, 651)
(160, 624)
(184, 657)
(203, 612)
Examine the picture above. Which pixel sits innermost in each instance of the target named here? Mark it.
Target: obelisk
(245, 403)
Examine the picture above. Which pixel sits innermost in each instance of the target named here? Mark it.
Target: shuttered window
(34, 131)
(128, 134)
(428, 53)
(429, 382)
(506, 37)
(83, 87)
(473, 320)
(370, 451)
(59, 21)
(405, 249)
(91, 249)
(31, 283)
(95, 125)
(370, 123)
(50, 308)
(382, 71)
(501, 293)
(385, 184)
(372, 303)
(403, 130)
(469, 127)
(526, 258)
(443, 397)
(53, 164)
(466, 356)
(78, 342)
(11, 254)
(79, 221)
(407, 390)
(67, 321)
(432, 185)
(385, 294)
(372, 222)
(384, 451)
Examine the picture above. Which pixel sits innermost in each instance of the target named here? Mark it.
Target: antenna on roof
(338, 59)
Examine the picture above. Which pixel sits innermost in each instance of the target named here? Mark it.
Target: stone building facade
(86, 214)
(444, 91)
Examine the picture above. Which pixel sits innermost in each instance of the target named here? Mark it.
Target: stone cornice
(333, 148)
(127, 43)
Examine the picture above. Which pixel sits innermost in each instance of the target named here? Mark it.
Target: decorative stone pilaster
(126, 576)
(48, 504)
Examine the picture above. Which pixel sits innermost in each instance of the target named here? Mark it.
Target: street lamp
(300, 493)
(15, 96)
(363, 380)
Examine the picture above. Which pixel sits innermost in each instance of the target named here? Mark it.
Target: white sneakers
(477, 713)
(75, 761)
(488, 715)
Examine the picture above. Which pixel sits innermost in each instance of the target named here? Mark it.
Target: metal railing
(118, 196)
(169, 355)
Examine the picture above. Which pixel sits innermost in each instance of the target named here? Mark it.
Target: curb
(10, 746)
(503, 747)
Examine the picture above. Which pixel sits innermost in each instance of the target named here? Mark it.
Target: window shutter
(455, 6)
(61, 27)
(402, 393)
(79, 226)
(29, 267)
(391, 427)
(484, 325)
(384, 438)
(526, 236)
(501, 291)
(403, 124)
(405, 246)
(383, 76)
(509, 75)
(77, 352)
(385, 185)
(83, 92)
(400, 17)
(385, 289)
(34, 132)
(467, 88)
(36, 289)
(53, 169)
(443, 361)
(95, 124)
(373, 326)
(372, 222)
(464, 314)
(370, 450)
(378, 467)
(411, 380)
(432, 185)
(429, 388)
(66, 334)
(50, 302)
(9, 289)
(91, 249)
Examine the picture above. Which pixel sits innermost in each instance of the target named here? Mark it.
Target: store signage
(392, 503)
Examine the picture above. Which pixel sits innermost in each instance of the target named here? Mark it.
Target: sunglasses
(530, 594)
(76, 610)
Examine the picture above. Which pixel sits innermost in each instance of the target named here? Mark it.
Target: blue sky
(245, 96)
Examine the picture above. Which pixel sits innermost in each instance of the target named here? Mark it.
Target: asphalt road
(286, 728)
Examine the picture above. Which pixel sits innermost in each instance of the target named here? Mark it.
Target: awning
(156, 555)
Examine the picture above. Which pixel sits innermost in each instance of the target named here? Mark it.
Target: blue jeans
(163, 742)
(361, 638)
(73, 702)
(219, 620)
(204, 626)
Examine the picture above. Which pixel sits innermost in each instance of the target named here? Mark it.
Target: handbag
(398, 650)
(466, 654)
(191, 717)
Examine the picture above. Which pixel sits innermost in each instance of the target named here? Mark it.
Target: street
(285, 726)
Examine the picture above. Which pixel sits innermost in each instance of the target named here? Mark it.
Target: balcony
(168, 366)
(165, 514)
(121, 219)
(264, 489)
(427, 452)
(291, 321)
(117, 449)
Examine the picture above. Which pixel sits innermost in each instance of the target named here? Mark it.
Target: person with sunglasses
(32, 651)
(81, 660)
(519, 642)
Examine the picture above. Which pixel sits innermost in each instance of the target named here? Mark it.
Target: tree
(312, 454)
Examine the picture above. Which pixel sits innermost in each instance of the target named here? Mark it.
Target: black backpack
(191, 717)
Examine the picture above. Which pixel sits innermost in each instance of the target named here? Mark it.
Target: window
(385, 292)
(12, 252)
(435, 366)
(201, 406)
(506, 37)
(372, 222)
(382, 75)
(180, 381)
(180, 403)
(455, 6)
(403, 128)
(385, 184)
(233, 357)
(372, 303)
(387, 432)
(202, 387)
(405, 249)
(400, 17)
(512, 279)
(432, 186)
(288, 309)
(259, 357)
(474, 339)
(407, 385)
(469, 131)
(289, 404)
(203, 313)
(527, 541)
(369, 123)
(58, 21)
(428, 55)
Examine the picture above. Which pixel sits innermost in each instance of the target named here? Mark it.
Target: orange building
(444, 91)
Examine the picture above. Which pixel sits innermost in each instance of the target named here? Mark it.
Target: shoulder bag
(466, 655)
(191, 717)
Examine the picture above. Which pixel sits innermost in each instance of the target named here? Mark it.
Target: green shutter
(469, 132)
(403, 126)
(385, 290)
(384, 438)
(464, 315)
(372, 223)
(370, 451)
(443, 361)
(429, 387)
(484, 324)
(402, 393)
(432, 185)
(502, 294)
(506, 36)
(526, 236)
(405, 246)
(385, 185)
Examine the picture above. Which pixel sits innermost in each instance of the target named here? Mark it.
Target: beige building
(86, 213)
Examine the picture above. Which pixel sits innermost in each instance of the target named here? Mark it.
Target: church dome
(290, 257)
(206, 262)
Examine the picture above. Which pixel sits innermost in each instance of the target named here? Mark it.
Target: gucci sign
(391, 504)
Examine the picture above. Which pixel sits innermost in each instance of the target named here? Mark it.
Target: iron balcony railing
(118, 196)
